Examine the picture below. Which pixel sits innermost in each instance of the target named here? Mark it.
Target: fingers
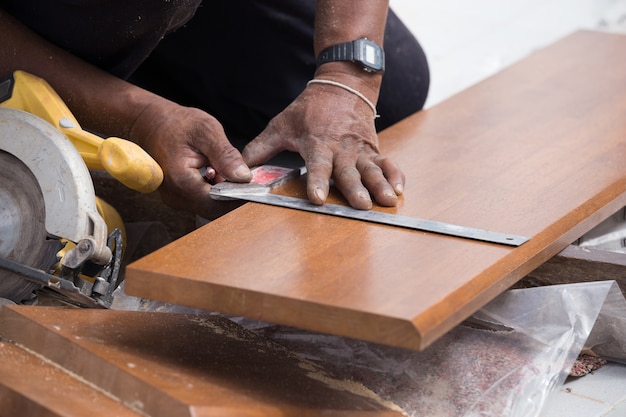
(187, 188)
(369, 177)
(231, 166)
(193, 150)
(319, 170)
(358, 181)
(348, 181)
(383, 178)
(184, 188)
(224, 158)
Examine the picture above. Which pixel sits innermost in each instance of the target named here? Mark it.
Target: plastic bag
(608, 235)
(505, 361)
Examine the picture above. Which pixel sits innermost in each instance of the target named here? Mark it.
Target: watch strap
(339, 52)
(362, 51)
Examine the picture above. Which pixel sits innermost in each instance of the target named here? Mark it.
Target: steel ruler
(376, 217)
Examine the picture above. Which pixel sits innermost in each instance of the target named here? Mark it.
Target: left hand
(333, 130)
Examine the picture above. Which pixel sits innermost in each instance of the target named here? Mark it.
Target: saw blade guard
(124, 160)
(69, 196)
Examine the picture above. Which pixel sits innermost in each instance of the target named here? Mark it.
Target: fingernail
(319, 194)
(399, 188)
(243, 172)
(389, 193)
(363, 195)
(209, 173)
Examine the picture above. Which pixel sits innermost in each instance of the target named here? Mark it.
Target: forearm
(101, 102)
(340, 21)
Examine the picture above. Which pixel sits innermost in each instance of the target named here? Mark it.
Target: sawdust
(586, 364)
(467, 371)
(353, 387)
(313, 370)
(203, 322)
(232, 332)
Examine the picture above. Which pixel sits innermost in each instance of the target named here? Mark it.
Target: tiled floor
(601, 394)
(467, 41)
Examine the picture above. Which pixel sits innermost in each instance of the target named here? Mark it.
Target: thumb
(263, 147)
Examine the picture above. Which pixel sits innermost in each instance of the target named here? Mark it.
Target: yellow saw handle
(124, 160)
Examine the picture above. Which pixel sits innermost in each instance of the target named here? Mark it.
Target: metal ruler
(377, 217)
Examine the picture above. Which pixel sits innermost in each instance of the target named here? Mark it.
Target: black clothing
(243, 61)
(115, 35)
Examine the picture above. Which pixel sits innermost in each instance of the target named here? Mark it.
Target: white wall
(468, 40)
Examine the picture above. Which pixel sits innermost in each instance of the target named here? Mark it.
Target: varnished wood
(30, 386)
(537, 150)
(164, 365)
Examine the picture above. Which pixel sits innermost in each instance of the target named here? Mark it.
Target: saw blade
(22, 227)
(380, 218)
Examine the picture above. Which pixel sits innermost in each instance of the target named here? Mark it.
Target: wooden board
(537, 150)
(31, 386)
(164, 365)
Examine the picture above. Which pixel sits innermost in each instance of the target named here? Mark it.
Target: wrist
(150, 114)
(349, 74)
(352, 81)
(119, 110)
(349, 89)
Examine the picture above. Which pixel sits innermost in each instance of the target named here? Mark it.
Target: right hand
(183, 140)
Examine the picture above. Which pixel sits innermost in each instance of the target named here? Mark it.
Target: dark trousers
(244, 61)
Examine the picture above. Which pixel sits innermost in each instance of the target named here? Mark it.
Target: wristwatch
(361, 51)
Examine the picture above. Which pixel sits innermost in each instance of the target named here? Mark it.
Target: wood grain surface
(164, 365)
(537, 150)
(31, 386)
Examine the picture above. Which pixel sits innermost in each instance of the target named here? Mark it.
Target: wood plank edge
(394, 331)
(33, 386)
(97, 372)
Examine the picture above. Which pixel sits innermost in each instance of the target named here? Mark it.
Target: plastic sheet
(609, 235)
(505, 361)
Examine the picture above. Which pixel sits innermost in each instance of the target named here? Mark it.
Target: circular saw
(24, 237)
(52, 236)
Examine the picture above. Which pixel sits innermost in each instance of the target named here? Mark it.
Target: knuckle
(349, 173)
(318, 161)
(372, 170)
(227, 152)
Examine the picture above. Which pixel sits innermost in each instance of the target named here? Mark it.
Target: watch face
(370, 55)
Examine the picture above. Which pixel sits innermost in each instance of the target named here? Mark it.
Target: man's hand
(331, 127)
(333, 130)
(183, 140)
